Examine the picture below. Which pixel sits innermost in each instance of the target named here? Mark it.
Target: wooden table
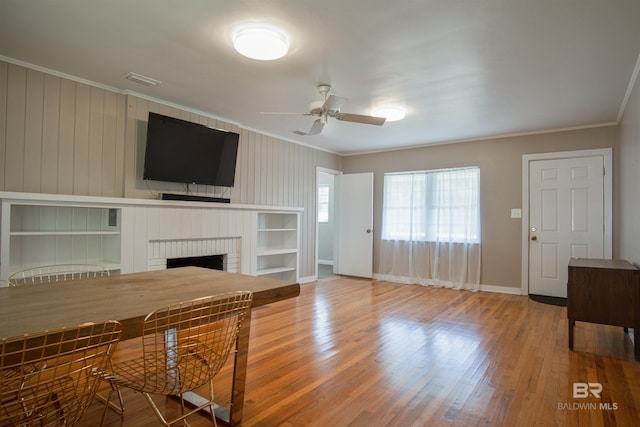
(605, 291)
(128, 298)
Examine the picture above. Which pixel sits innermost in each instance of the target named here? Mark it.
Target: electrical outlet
(516, 213)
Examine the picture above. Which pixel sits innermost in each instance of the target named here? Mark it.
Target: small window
(323, 203)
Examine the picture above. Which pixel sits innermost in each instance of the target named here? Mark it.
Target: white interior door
(566, 219)
(354, 208)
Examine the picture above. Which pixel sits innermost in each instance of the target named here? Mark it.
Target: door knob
(369, 231)
(534, 238)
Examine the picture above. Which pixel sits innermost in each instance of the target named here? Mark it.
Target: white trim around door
(607, 155)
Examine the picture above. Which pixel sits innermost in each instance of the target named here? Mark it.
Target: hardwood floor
(355, 352)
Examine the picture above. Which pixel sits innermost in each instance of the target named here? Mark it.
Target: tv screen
(181, 151)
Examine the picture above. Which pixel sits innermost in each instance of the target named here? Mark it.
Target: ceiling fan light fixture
(261, 42)
(392, 114)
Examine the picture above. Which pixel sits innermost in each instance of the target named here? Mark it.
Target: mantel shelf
(45, 199)
(64, 233)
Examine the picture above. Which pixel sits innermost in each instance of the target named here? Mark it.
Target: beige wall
(65, 137)
(500, 162)
(628, 158)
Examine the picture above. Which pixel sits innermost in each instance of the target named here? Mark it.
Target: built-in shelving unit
(129, 235)
(277, 245)
(49, 234)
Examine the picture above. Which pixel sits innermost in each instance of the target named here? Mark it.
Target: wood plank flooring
(355, 352)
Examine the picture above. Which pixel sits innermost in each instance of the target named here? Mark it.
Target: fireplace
(162, 253)
(214, 262)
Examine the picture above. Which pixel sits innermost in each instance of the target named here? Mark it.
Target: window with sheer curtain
(431, 227)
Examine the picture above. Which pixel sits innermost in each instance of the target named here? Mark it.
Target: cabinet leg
(572, 323)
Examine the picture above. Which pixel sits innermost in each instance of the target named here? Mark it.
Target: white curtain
(431, 228)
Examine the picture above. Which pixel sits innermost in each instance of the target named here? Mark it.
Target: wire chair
(57, 273)
(183, 347)
(48, 377)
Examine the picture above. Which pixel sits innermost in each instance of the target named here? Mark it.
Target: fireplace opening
(214, 262)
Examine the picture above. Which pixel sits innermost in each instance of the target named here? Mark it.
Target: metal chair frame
(57, 273)
(183, 347)
(48, 377)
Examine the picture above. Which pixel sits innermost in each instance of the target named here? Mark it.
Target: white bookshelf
(53, 234)
(277, 245)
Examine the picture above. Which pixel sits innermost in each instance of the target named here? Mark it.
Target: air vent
(140, 79)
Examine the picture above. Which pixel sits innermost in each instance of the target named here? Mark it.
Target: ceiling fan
(329, 106)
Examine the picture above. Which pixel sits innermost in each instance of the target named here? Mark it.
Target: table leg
(233, 415)
(240, 371)
(572, 324)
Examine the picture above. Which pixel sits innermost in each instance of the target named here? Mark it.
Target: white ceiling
(464, 69)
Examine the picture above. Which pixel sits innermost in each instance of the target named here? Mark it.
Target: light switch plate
(516, 213)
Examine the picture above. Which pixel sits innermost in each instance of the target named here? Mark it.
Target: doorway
(566, 213)
(344, 223)
(325, 222)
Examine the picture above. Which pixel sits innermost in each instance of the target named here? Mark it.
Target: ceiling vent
(140, 79)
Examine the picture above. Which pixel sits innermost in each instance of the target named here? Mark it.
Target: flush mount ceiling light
(392, 114)
(260, 41)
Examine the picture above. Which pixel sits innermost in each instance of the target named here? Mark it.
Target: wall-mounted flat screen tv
(182, 151)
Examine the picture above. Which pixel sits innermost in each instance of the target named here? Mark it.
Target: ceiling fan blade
(333, 103)
(316, 128)
(359, 118)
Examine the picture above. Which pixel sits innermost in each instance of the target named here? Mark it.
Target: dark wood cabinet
(604, 291)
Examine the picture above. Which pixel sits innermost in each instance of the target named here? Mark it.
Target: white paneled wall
(66, 137)
(59, 136)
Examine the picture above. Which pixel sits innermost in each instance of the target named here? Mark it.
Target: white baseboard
(483, 288)
(501, 289)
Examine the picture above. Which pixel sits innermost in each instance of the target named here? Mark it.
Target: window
(323, 203)
(432, 206)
